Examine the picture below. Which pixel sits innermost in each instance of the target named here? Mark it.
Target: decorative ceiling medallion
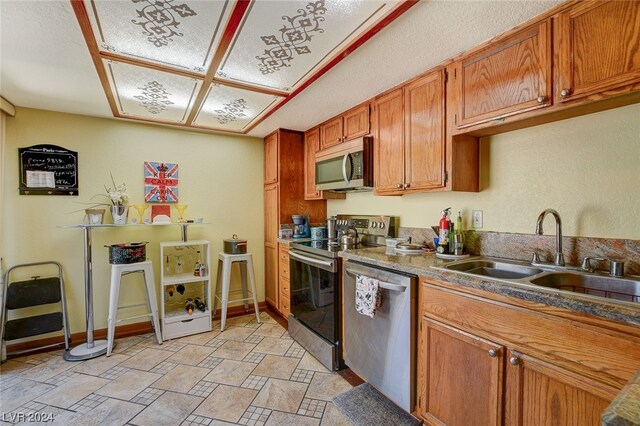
(159, 21)
(231, 108)
(292, 38)
(181, 34)
(232, 111)
(154, 97)
(149, 94)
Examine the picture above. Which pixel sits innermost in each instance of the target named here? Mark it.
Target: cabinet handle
(514, 360)
(493, 353)
(565, 92)
(541, 99)
(399, 186)
(407, 185)
(338, 140)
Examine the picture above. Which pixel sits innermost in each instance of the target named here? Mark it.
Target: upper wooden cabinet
(410, 137)
(350, 125)
(388, 143)
(508, 77)
(311, 147)
(597, 47)
(424, 121)
(271, 159)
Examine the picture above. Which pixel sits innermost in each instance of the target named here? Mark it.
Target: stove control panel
(373, 226)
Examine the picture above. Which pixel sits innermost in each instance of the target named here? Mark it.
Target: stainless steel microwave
(347, 167)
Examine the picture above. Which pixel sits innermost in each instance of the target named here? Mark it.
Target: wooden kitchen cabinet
(549, 366)
(282, 199)
(271, 159)
(508, 77)
(283, 280)
(388, 143)
(350, 125)
(410, 137)
(596, 48)
(465, 377)
(311, 147)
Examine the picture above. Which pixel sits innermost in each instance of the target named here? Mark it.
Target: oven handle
(312, 260)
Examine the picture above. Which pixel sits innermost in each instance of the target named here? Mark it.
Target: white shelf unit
(178, 263)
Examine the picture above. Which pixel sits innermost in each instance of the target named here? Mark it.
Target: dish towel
(368, 295)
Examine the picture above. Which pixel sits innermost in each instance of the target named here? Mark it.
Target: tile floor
(250, 374)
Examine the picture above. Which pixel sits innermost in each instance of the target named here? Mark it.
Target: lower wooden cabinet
(483, 361)
(463, 374)
(283, 281)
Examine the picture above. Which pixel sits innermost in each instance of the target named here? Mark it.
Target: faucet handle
(586, 262)
(616, 268)
(535, 258)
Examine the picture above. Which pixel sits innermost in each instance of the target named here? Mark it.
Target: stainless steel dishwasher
(381, 350)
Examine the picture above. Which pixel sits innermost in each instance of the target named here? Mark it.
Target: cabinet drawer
(186, 327)
(284, 287)
(285, 305)
(598, 353)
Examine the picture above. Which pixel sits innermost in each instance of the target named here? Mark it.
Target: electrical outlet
(476, 221)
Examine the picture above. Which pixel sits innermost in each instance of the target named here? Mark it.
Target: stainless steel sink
(594, 285)
(494, 269)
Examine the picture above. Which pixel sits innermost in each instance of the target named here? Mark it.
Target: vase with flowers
(117, 194)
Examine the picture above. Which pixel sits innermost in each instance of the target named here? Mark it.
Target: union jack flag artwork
(160, 182)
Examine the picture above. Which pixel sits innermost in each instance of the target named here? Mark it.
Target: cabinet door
(539, 394)
(311, 146)
(462, 381)
(271, 275)
(597, 48)
(271, 159)
(271, 222)
(331, 133)
(510, 77)
(424, 136)
(356, 122)
(389, 143)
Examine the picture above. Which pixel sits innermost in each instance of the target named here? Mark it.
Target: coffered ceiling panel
(148, 94)
(178, 33)
(281, 43)
(232, 109)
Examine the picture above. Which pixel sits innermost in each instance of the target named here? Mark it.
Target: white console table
(95, 348)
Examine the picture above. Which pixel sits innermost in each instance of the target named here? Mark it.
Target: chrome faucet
(559, 257)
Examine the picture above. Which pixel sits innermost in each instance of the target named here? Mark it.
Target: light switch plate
(476, 219)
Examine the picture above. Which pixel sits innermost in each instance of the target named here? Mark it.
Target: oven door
(314, 284)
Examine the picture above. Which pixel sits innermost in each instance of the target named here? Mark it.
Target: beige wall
(587, 168)
(220, 180)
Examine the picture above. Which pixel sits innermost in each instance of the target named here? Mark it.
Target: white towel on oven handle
(368, 295)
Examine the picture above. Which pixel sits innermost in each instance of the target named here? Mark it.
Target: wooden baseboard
(122, 331)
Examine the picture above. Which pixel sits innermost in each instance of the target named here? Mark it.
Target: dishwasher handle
(384, 280)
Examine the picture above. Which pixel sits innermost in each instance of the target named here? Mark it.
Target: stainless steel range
(316, 285)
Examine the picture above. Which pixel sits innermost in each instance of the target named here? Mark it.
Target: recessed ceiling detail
(160, 19)
(221, 65)
(228, 108)
(146, 93)
(293, 38)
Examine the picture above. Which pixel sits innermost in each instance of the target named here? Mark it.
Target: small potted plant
(117, 194)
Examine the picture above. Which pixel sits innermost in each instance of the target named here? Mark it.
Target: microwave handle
(347, 175)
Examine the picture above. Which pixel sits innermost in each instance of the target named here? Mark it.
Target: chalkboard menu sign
(48, 170)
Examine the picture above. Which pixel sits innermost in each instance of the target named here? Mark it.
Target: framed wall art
(160, 182)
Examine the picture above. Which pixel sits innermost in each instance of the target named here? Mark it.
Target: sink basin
(595, 285)
(494, 269)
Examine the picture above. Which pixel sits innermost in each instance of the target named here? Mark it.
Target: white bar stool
(225, 261)
(117, 271)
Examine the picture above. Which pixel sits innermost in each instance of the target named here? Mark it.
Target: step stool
(223, 282)
(34, 292)
(117, 271)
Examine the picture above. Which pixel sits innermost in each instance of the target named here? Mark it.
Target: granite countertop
(623, 411)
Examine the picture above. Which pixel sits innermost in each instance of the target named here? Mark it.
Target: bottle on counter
(459, 239)
(189, 306)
